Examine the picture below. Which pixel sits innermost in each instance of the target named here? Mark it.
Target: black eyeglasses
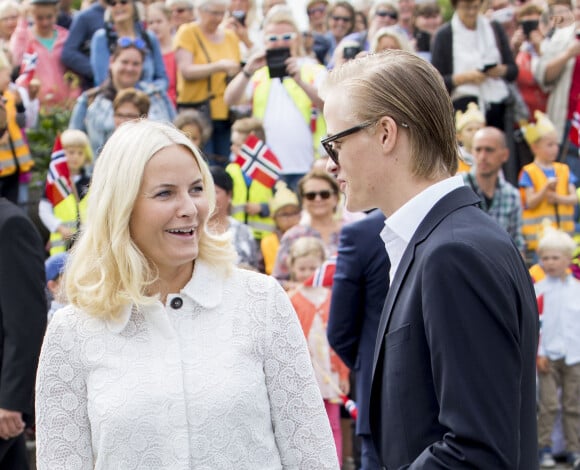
(114, 3)
(384, 13)
(311, 195)
(327, 142)
(345, 19)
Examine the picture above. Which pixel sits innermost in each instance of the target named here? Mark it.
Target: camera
(276, 61)
(528, 26)
(350, 52)
(240, 16)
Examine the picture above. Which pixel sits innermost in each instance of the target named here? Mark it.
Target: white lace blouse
(222, 382)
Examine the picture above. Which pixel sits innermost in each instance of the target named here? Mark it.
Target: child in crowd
(559, 349)
(15, 158)
(194, 124)
(54, 267)
(250, 199)
(466, 125)
(285, 210)
(312, 304)
(62, 211)
(547, 186)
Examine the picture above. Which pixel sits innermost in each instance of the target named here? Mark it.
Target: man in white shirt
(454, 366)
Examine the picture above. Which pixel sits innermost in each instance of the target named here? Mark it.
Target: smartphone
(423, 41)
(350, 52)
(486, 67)
(240, 16)
(275, 59)
(528, 26)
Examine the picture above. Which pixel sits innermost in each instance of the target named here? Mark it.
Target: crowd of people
(199, 154)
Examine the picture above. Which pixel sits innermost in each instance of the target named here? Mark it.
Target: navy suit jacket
(359, 289)
(23, 308)
(454, 368)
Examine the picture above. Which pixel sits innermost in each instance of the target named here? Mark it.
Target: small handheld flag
(58, 182)
(258, 162)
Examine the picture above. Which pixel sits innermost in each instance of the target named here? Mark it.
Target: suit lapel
(456, 199)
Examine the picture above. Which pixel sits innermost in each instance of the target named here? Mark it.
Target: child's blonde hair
(557, 240)
(77, 138)
(306, 246)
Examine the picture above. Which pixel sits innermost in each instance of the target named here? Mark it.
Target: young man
(454, 366)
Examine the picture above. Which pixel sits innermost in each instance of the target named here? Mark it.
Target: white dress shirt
(403, 223)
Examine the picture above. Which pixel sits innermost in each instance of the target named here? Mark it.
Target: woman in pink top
(159, 23)
(38, 48)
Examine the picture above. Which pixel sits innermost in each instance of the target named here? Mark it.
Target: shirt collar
(205, 288)
(405, 221)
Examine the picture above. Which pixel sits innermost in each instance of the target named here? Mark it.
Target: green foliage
(446, 9)
(41, 139)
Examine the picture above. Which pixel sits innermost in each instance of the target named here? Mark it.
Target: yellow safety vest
(313, 117)
(242, 194)
(19, 149)
(561, 216)
(71, 213)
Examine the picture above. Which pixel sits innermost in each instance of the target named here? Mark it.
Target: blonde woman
(168, 356)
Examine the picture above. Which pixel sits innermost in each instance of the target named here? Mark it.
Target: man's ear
(387, 130)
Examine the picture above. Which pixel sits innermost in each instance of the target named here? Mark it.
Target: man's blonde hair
(411, 91)
(107, 271)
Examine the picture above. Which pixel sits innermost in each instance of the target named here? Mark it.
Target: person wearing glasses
(318, 192)
(383, 13)
(340, 22)
(93, 112)
(454, 369)
(182, 12)
(208, 56)
(168, 356)
(316, 11)
(123, 22)
(289, 107)
(37, 49)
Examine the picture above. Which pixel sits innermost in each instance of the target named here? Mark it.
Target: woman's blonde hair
(409, 90)
(306, 246)
(107, 271)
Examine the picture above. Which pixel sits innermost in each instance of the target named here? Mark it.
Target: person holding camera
(282, 84)
(526, 43)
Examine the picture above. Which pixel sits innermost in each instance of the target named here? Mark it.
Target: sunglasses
(126, 41)
(311, 195)
(345, 19)
(384, 13)
(114, 3)
(313, 10)
(328, 142)
(280, 37)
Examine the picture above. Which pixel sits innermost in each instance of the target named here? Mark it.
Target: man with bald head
(499, 198)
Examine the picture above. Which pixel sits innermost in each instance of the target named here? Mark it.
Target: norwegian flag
(28, 66)
(58, 183)
(258, 162)
(324, 275)
(574, 135)
(540, 300)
